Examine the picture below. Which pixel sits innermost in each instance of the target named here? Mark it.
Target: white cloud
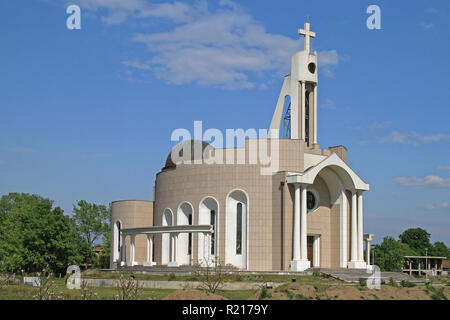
(225, 48)
(428, 181)
(380, 125)
(327, 60)
(442, 205)
(328, 104)
(412, 138)
(118, 11)
(426, 25)
(443, 167)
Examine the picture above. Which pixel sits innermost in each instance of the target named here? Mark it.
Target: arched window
(239, 228)
(213, 223)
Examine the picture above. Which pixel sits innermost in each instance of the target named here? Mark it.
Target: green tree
(92, 220)
(439, 249)
(33, 235)
(417, 239)
(389, 255)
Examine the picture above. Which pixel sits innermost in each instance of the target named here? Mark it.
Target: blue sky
(88, 114)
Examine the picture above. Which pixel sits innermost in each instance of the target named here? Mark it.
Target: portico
(172, 231)
(347, 181)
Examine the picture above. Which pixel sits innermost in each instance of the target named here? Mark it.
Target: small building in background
(420, 265)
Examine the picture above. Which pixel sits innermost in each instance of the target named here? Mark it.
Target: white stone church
(309, 213)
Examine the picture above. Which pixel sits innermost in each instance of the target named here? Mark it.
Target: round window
(312, 67)
(311, 201)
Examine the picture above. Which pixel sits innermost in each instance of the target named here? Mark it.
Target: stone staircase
(358, 275)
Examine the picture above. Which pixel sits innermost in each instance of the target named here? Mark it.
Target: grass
(264, 294)
(435, 293)
(294, 296)
(24, 292)
(321, 287)
(407, 284)
(236, 294)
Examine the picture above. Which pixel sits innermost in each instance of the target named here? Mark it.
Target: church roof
(178, 150)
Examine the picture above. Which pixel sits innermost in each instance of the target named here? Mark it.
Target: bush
(407, 284)
(128, 288)
(392, 282)
(172, 276)
(264, 294)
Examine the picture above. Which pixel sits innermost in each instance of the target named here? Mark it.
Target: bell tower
(301, 86)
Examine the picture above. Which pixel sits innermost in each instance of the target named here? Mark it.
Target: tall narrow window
(239, 228)
(190, 236)
(118, 236)
(213, 235)
(307, 117)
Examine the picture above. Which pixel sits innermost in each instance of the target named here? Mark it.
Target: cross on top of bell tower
(307, 33)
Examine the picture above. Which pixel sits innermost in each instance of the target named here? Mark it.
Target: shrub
(212, 275)
(392, 282)
(407, 284)
(47, 288)
(87, 292)
(264, 294)
(128, 288)
(172, 276)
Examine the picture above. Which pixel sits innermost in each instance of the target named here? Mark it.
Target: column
(172, 251)
(149, 261)
(303, 229)
(172, 262)
(123, 253)
(300, 259)
(316, 249)
(343, 254)
(296, 239)
(302, 110)
(315, 114)
(360, 227)
(132, 250)
(354, 241)
(368, 252)
(208, 246)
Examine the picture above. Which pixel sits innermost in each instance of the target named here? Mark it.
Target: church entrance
(310, 245)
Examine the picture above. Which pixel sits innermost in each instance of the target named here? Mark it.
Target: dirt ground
(193, 294)
(347, 292)
(296, 291)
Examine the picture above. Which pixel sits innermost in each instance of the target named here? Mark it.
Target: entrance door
(310, 241)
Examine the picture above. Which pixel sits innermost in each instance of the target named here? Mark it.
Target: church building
(307, 213)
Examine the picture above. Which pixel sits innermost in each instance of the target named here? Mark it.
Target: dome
(194, 144)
